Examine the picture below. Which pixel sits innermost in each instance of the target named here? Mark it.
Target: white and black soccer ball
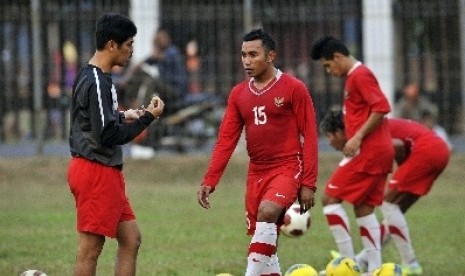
(33, 272)
(295, 223)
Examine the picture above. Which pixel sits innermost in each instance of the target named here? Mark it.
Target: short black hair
(113, 26)
(332, 121)
(267, 40)
(326, 47)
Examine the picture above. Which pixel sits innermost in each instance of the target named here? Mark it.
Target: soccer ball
(389, 269)
(295, 224)
(301, 270)
(343, 266)
(224, 274)
(33, 272)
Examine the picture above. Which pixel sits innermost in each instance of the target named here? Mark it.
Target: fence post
(462, 60)
(378, 43)
(146, 16)
(37, 63)
(248, 11)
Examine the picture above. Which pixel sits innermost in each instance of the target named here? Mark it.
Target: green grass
(37, 220)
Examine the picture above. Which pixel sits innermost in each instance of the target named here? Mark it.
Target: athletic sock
(361, 260)
(262, 247)
(385, 235)
(273, 269)
(339, 226)
(371, 240)
(398, 228)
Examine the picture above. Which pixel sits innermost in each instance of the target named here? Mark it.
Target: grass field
(37, 220)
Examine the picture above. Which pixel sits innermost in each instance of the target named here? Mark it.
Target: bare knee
(327, 200)
(129, 237)
(269, 211)
(132, 242)
(90, 246)
(363, 210)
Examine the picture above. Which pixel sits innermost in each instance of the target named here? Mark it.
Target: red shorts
(418, 172)
(279, 188)
(99, 192)
(356, 187)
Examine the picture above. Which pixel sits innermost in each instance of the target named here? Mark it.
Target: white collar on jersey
(277, 76)
(357, 64)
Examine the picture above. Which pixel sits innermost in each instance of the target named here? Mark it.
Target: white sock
(398, 228)
(385, 235)
(370, 233)
(273, 268)
(262, 248)
(339, 226)
(361, 260)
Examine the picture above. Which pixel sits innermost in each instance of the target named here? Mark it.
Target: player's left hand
(306, 199)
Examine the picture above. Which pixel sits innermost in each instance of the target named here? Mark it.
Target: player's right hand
(203, 196)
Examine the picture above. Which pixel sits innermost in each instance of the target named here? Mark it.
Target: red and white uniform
(362, 178)
(275, 118)
(427, 157)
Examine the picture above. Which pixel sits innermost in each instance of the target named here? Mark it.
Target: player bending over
(421, 156)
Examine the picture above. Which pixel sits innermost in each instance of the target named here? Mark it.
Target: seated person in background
(412, 104)
(163, 72)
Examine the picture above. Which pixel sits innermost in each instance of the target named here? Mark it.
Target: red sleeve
(228, 136)
(372, 93)
(306, 121)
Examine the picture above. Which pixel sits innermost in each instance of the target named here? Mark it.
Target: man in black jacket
(98, 131)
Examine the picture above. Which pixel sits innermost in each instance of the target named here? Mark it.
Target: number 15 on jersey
(259, 115)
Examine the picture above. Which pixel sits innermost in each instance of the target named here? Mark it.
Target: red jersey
(427, 157)
(415, 135)
(362, 96)
(275, 118)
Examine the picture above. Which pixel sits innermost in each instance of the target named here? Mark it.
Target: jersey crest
(279, 101)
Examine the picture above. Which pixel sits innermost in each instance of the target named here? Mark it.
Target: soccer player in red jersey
(277, 113)
(421, 156)
(418, 166)
(97, 132)
(361, 175)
